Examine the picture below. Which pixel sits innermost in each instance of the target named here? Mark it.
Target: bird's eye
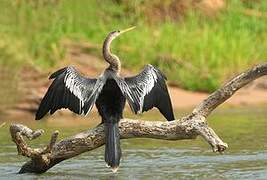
(119, 31)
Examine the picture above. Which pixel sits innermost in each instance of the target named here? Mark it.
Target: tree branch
(225, 92)
(188, 127)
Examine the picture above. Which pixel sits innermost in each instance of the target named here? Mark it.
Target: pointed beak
(2, 124)
(128, 29)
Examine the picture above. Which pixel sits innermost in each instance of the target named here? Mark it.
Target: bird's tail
(112, 147)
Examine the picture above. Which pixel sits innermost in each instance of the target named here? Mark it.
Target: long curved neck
(112, 59)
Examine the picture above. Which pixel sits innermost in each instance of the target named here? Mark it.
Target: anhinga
(109, 92)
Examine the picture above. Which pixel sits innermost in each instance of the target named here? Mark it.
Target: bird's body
(109, 92)
(110, 105)
(110, 101)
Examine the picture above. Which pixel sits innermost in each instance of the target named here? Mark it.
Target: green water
(244, 129)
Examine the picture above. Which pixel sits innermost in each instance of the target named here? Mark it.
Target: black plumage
(109, 92)
(69, 90)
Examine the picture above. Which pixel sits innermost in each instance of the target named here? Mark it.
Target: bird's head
(112, 35)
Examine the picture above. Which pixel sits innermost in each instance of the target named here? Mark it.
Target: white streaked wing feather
(74, 84)
(70, 90)
(71, 84)
(142, 86)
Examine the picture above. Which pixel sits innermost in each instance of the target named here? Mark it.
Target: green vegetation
(197, 52)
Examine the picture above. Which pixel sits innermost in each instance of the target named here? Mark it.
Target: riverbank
(34, 84)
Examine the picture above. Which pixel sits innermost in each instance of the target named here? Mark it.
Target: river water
(244, 129)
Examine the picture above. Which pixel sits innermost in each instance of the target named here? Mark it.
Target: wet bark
(188, 127)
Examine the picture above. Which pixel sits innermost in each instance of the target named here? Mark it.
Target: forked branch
(188, 127)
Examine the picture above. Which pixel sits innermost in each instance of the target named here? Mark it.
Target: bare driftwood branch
(188, 127)
(225, 92)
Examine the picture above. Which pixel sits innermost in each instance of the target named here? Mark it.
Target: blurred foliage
(198, 47)
(12, 57)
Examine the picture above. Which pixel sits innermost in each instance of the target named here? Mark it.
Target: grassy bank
(196, 53)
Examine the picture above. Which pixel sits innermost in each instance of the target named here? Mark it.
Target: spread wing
(147, 90)
(70, 90)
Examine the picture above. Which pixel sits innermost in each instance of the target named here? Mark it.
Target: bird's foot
(114, 169)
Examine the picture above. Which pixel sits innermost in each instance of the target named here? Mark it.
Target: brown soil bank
(251, 95)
